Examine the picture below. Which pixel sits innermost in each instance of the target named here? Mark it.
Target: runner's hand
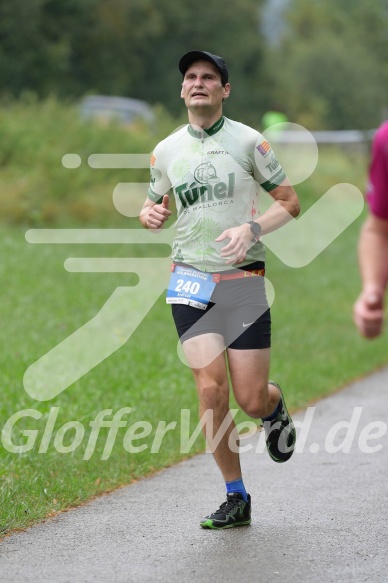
(369, 313)
(159, 214)
(240, 241)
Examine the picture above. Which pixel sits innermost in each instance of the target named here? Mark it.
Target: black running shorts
(238, 311)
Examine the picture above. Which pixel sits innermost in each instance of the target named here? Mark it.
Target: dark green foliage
(333, 62)
(127, 47)
(327, 70)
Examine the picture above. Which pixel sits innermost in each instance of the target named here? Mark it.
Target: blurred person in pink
(373, 242)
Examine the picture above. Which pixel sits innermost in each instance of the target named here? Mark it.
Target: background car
(125, 110)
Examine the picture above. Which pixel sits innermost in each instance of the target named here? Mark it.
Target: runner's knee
(213, 395)
(253, 406)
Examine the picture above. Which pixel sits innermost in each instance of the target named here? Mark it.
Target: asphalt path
(321, 517)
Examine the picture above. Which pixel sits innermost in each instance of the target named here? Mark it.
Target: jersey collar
(207, 132)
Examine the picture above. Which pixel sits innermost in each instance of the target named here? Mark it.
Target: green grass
(43, 305)
(316, 350)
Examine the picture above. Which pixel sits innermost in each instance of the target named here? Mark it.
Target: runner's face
(202, 87)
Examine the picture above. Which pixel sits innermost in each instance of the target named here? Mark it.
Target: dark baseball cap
(189, 58)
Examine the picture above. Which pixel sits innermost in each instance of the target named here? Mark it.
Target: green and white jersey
(215, 176)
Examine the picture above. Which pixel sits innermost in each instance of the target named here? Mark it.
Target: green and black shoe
(280, 433)
(234, 512)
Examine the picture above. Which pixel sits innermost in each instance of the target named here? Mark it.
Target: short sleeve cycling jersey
(215, 176)
(377, 189)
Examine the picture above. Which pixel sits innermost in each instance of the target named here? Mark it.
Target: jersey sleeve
(267, 170)
(159, 182)
(377, 188)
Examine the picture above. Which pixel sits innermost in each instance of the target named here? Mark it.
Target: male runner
(213, 167)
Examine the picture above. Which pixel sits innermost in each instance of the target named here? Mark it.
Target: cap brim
(192, 56)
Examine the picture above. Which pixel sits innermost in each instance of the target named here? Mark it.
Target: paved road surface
(321, 517)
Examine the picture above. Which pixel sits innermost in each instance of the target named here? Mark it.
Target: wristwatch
(255, 229)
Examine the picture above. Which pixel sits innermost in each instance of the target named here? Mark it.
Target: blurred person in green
(272, 117)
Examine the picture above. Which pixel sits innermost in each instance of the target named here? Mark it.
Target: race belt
(217, 277)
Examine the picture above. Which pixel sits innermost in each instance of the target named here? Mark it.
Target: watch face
(255, 228)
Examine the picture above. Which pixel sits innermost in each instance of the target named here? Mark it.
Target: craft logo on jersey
(263, 148)
(207, 186)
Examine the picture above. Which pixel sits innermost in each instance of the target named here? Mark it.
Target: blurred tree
(128, 47)
(327, 71)
(36, 42)
(333, 63)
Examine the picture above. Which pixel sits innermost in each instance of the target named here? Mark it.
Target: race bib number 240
(190, 286)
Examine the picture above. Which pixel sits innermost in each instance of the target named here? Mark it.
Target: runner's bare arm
(284, 209)
(372, 255)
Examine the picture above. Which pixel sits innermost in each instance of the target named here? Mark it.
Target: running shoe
(234, 512)
(280, 433)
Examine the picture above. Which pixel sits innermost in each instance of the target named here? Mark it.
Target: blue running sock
(237, 486)
(274, 414)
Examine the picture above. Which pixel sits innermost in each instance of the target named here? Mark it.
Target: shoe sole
(275, 459)
(209, 524)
